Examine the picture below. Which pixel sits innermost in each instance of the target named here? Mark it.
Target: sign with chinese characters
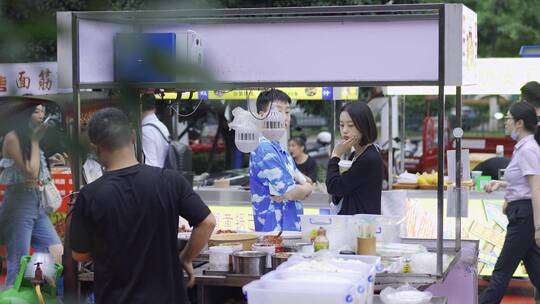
(307, 93)
(36, 78)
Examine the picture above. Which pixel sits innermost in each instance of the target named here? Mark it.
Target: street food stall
(437, 46)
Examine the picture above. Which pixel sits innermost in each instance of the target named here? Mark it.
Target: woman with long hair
(522, 203)
(23, 219)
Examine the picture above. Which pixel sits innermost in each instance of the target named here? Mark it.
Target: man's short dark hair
(148, 102)
(110, 128)
(530, 92)
(363, 120)
(266, 97)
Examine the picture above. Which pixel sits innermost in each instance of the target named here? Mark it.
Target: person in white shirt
(155, 135)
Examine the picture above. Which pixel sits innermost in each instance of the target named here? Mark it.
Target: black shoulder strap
(159, 130)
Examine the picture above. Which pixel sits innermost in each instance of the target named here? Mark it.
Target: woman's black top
(309, 168)
(360, 187)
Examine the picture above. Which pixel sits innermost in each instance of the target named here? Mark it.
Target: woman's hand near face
(344, 146)
(39, 132)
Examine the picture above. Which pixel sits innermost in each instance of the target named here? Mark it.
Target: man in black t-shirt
(127, 221)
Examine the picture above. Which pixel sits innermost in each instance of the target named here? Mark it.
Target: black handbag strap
(159, 130)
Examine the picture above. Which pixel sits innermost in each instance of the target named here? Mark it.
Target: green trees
(28, 27)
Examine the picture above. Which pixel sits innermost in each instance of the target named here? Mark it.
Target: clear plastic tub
(337, 230)
(299, 292)
(343, 265)
(360, 283)
(387, 228)
(348, 261)
(220, 258)
(268, 248)
(405, 295)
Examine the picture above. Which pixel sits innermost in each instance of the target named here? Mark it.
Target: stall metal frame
(339, 14)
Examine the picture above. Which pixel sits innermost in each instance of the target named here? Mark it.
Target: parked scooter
(320, 149)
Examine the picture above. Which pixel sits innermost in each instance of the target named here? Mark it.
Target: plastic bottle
(499, 151)
(321, 241)
(406, 265)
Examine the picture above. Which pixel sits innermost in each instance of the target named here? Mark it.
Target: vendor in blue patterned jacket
(277, 186)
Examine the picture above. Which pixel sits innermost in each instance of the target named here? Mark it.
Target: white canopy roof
(500, 76)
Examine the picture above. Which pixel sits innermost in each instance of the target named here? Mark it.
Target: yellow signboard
(240, 218)
(308, 93)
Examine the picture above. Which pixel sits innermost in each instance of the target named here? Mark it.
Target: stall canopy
(501, 76)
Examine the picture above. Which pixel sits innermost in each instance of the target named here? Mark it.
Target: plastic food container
(405, 295)
(358, 280)
(220, 258)
(280, 258)
(387, 228)
(299, 292)
(362, 269)
(268, 248)
(375, 266)
(338, 228)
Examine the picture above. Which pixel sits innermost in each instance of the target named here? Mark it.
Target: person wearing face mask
(23, 168)
(305, 163)
(530, 92)
(522, 203)
(357, 190)
(276, 184)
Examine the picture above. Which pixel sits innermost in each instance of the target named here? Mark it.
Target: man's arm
(199, 238)
(195, 211)
(299, 192)
(80, 232)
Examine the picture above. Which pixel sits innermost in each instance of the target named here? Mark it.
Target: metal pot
(279, 258)
(249, 262)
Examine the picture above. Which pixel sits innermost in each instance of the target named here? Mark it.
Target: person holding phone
(23, 219)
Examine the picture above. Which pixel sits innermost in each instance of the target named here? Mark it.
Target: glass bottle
(321, 241)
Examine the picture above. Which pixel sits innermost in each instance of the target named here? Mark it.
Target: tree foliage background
(28, 27)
